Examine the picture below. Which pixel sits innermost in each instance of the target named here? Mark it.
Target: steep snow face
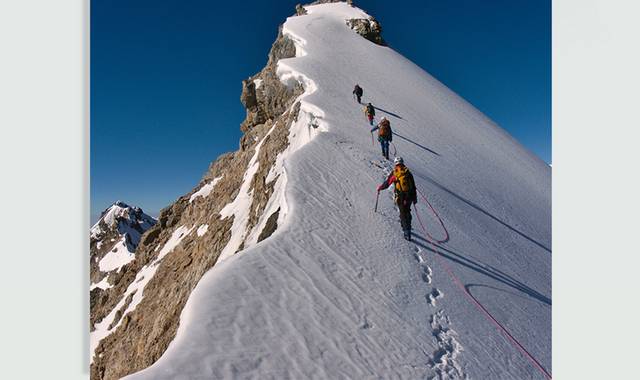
(336, 292)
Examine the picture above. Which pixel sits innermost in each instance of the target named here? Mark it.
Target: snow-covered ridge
(335, 292)
(309, 123)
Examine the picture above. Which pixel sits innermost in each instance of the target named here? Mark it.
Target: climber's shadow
(475, 206)
(481, 268)
(388, 112)
(416, 144)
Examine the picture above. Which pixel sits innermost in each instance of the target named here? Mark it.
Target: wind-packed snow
(136, 288)
(205, 190)
(336, 292)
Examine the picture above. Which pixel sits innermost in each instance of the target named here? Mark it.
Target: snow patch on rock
(202, 229)
(103, 284)
(119, 256)
(205, 190)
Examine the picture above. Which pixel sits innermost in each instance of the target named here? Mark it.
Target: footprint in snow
(433, 296)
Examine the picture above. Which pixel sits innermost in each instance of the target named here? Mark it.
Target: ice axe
(375, 208)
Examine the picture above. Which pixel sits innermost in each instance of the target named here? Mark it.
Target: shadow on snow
(475, 206)
(484, 269)
(388, 112)
(416, 144)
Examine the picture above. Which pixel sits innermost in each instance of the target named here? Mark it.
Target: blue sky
(166, 78)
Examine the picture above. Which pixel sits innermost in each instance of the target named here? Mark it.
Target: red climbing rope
(457, 281)
(433, 210)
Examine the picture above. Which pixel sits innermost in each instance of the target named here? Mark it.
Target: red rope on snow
(446, 238)
(457, 281)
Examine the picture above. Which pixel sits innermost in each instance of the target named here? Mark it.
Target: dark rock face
(270, 227)
(300, 10)
(272, 97)
(139, 337)
(368, 28)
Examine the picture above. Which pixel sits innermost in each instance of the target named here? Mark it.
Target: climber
(404, 193)
(370, 111)
(357, 91)
(385, 135)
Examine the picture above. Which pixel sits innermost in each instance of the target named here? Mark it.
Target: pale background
(44, 166)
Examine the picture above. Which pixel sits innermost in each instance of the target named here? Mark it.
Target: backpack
(385, 130)
(404, 179)
(370, 110)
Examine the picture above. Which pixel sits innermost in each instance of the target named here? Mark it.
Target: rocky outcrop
(172, 256)
(300, 10)
(264, 96)
(368, 28)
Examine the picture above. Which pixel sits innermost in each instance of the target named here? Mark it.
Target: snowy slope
(336, 292)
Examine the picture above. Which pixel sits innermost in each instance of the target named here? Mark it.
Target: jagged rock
(270, 227)
(272, 97)
(368, 28)
(300, 10)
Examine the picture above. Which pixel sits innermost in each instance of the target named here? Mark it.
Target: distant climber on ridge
(405, 193)
(385, 135)
(370, 111)
(357, 91)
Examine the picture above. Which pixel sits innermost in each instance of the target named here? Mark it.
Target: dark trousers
(358, 97)
(384, 144)
(405, 213)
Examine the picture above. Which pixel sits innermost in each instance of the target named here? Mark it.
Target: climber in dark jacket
(357, 91)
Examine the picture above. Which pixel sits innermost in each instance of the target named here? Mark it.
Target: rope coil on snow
(473, 300)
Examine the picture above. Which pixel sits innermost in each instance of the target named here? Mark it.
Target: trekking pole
(375, 209)
(395, 151)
